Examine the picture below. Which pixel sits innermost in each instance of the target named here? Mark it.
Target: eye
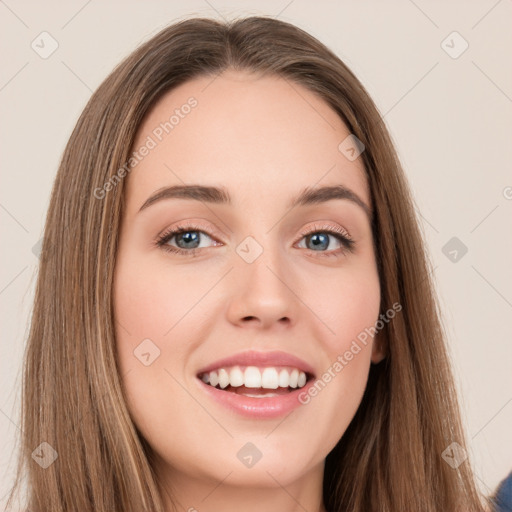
(188, 240)
(318, 239)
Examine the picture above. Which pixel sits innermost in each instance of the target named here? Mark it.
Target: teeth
(269, 378)
(254, 377)
(284, 379)
(294, 378)
(236, 377)
(214, 378)
(223, 378)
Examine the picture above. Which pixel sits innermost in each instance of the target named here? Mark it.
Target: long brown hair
(391, 456)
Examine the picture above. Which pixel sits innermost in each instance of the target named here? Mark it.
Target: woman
(234, 307)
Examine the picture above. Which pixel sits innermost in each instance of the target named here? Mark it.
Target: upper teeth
(254, 377)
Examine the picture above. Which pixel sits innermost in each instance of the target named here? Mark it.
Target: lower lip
(271, 407)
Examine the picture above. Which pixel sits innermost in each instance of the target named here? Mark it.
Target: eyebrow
(216, 195)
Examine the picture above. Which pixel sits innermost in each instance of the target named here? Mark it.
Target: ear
(379, 348)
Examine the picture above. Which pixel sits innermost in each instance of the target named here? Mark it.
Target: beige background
(450, 118)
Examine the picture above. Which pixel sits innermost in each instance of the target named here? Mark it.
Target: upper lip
(254, 358)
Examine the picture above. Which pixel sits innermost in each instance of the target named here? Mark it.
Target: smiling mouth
(257, 382)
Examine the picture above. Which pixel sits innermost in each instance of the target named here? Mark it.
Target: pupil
(188, 238)
(322, 244)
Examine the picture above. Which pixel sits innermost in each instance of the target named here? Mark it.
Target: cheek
(150, 300)
(349, 309)
(156, 307)
(147, 307)
(149, 303)
(348, 306)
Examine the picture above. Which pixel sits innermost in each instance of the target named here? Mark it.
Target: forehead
(256, 136)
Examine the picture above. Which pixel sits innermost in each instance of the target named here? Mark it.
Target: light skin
(264, 142)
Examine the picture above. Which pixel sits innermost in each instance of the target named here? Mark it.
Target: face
(252, 291)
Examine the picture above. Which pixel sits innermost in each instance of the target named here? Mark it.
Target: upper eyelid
(315, 228)
(172, 232)
(318, 227)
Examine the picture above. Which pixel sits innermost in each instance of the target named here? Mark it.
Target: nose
(262, 294)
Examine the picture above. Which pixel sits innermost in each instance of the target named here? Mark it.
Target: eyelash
(340, 234)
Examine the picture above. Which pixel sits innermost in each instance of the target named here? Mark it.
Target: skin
(265, 142)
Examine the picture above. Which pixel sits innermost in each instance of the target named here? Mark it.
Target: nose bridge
(260, 260)
(262, 290)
